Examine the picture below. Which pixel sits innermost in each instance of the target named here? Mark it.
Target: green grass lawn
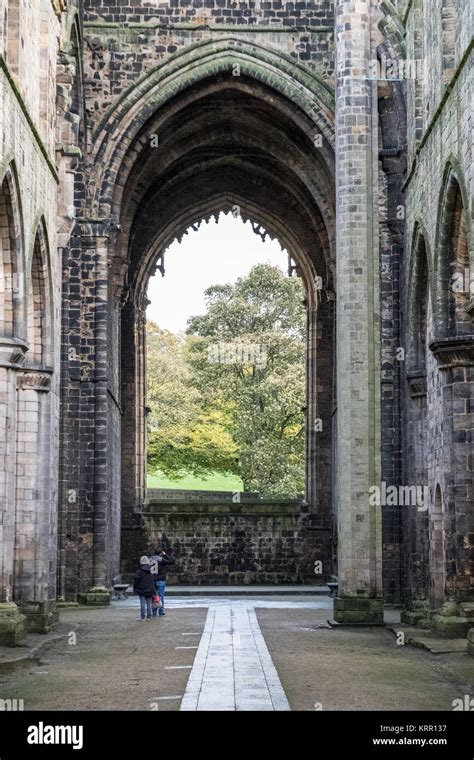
(215, 482)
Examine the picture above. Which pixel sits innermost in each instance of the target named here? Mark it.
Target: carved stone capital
(12, 352)
(95, 231)
(34, 380)
(454, 352)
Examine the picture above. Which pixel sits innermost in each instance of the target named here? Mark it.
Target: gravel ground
(358, 668)
(116, 664)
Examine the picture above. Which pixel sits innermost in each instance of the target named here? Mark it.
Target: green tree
(248, 357)
(184, 435)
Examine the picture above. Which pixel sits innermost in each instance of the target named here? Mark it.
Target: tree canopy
(183, 434)
(229, 395)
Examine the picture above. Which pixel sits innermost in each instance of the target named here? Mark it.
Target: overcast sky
(216, 253)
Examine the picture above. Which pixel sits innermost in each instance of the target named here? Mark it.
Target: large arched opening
(201, 135)
(418, 465)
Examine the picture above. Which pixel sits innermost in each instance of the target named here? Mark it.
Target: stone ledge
(423, 638)
(410, 617)
(13, 352)
(96, 597)
(220, 508)
(248, 590)
(454, 352)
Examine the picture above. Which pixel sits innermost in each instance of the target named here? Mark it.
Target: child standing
(155, 604)
(144, 586)
(160, 562)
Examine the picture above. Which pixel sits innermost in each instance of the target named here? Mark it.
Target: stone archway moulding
(121, 125)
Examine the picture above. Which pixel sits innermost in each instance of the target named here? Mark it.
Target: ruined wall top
(125, 39)
(243, 12)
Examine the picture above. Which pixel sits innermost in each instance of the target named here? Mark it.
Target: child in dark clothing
(144, 586)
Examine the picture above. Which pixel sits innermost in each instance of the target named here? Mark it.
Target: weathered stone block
(42, 617)
(13, 625)
(358, 610)
(452, 627)
(96, 597)
(409, 617)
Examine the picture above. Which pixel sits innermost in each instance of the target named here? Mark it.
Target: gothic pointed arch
(12, 270)
(39, 325)
(418, 297)
(190, 123)
(454, 259)
(220, 127)
(309, 98)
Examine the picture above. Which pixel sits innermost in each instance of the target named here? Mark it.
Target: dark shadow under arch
(39, 300)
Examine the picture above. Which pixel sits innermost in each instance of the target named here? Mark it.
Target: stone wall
(126, 39)
(222, 543)
(439, 386)
(30, 325)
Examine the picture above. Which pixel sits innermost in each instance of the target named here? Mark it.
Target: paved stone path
(233, 669)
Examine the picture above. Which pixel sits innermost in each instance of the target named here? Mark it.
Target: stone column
(12, 622)
(359, 597)
(101, 407)
(312, 438)
(133, 398)
(452, 563)
(314, 528)
(36, 501)
(90, 511)
(415, 527)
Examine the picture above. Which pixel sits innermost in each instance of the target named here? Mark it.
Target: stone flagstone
(233, 669)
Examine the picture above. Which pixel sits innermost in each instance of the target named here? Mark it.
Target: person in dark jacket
(144, 586)
(160, 561)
